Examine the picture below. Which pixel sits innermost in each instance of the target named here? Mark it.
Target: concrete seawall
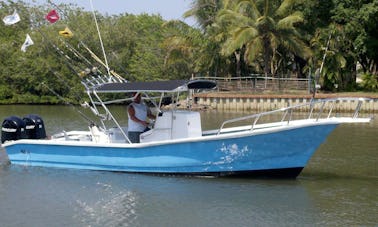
(247, 102)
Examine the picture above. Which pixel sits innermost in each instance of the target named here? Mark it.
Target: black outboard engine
(34, 127)
(13, 128)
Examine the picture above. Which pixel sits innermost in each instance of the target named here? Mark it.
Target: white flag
(28, 42)
(11, 19)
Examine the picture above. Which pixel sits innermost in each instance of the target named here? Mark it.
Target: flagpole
(99, 35)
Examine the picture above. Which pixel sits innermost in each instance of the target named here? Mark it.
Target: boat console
(175, 124)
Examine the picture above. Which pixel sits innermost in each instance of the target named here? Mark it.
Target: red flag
(52, 16)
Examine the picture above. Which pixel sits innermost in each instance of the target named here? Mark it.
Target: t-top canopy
(156, 86)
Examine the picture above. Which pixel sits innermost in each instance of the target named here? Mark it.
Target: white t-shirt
(140, 113)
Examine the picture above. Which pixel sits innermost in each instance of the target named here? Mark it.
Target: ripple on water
(113, 209)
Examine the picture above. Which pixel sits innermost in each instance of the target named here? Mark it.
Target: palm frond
(244, 35)
(229, 16)
(297, 46)
(253, 49)
(249, 6)
(285, 7)
(289, 21)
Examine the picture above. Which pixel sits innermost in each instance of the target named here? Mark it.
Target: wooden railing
(260, 83)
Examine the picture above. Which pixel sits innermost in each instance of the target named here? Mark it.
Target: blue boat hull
(276, 154)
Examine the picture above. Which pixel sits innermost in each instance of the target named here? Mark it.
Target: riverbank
(270, 101)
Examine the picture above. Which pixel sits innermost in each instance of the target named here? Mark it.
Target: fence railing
(260, 83)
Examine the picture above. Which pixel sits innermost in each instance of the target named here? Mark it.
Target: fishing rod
(94, 56)
(95, 69)
(123, 69)
(77, 53)
(62, 81)
(93, 108)
(70, 104)
(91, 69)
(106, 65)
(59, 51)
(94, 81)
(68, 61)
(99, 36)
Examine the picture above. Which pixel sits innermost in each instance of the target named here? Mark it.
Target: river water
(339, 187)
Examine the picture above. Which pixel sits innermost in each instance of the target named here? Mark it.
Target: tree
(262, 28)
(204, 11)
(182, 44)
(328, 58)
(209, 62)
(356, 37)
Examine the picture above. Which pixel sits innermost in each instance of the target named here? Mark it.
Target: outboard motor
(13, 128)
(34, 127)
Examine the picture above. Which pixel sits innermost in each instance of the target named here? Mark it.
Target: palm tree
(261, 29)
(189, 47)
(204, 11)
(209, 60)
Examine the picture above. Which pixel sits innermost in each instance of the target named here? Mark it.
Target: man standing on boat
(138, 113)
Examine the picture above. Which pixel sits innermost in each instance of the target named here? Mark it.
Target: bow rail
(316, 109)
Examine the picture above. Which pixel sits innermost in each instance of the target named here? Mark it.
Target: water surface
(339, 187)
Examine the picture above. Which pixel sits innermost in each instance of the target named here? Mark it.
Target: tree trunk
(238, 69)
(266, 60)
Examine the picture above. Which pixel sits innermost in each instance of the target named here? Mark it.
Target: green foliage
(262, 30)
(359, 23)
(233, 38)
(369, 82)
(205, 12)
(49, 69)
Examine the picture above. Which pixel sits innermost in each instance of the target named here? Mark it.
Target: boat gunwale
(295, 124)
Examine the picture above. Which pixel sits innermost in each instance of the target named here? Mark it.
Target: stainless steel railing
(313, 105)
